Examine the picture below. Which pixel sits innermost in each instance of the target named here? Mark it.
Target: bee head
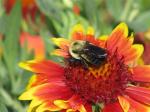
(76, 48)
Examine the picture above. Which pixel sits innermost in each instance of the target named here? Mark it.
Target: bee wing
(102, 55)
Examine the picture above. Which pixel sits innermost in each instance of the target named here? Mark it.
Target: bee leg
(97, 62)
(84, 63)
(73, 61)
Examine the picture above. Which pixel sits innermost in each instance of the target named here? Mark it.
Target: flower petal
(44, 78)
(139, 94)
(34, 43)
(114, 107)
(118, 42)
(31, 81)
(138, 106)
(29, 95)
(46, 91)
(61, 42)
(43, 66)
(90, 31)
(53, 91)
(135, 53)
(73, 104)
(124, 103)
(47, 106)
(141, 73)
(93, 40)
(77, 32)
(122, 27)
(121, 31)
(70, 110)
(78, 28)
(60, 52)
(34, 103)
(62, 104)
(88, 107)
(103, 37)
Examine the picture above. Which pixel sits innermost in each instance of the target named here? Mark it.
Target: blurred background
(26, 27)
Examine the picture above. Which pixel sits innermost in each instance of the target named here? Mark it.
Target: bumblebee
(87, 53)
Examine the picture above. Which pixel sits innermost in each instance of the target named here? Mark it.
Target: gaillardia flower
(75, 85)
(29, 7)
(34, 43)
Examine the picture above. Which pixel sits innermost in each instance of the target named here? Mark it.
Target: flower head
(113, 84)
(28, 7)
(34, 43)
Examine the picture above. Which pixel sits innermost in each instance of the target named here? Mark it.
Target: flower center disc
(98, 85)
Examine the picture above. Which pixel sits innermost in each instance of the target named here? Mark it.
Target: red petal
(88, 108)
(140, 94)
(141, 73)
(124, 44)
(45, 66)
(78, 36)
(44, 78)
(75, 102)
(92, 39)
(130, 54)
(114, 39)
(114, 107)
(138, 106)
(53, 91)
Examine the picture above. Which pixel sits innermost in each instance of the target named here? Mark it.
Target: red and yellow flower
(114, 85)
(29, 7)
(34, 43)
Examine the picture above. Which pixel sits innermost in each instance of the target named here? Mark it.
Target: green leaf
(3, 108)
(142, 22)
(145, 5)
(3, 24)
(1, 7)
(115, 8)
(10, 44)
(12, 35)
(50, 8)
(90, 8)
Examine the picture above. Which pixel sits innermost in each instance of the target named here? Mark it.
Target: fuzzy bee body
(87, 53)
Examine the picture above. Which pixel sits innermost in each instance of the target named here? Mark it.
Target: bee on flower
(96, 71)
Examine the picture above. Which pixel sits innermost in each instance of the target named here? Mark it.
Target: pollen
(102, 71)
(99, 84)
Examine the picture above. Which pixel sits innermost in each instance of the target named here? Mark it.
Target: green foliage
(115, 7)
(3, 108)
(11, 82)
(142, 22)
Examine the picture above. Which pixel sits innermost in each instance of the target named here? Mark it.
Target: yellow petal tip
(90, 31)
(139, 49)
(25, 65)
(123, 28)
(61, 103)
